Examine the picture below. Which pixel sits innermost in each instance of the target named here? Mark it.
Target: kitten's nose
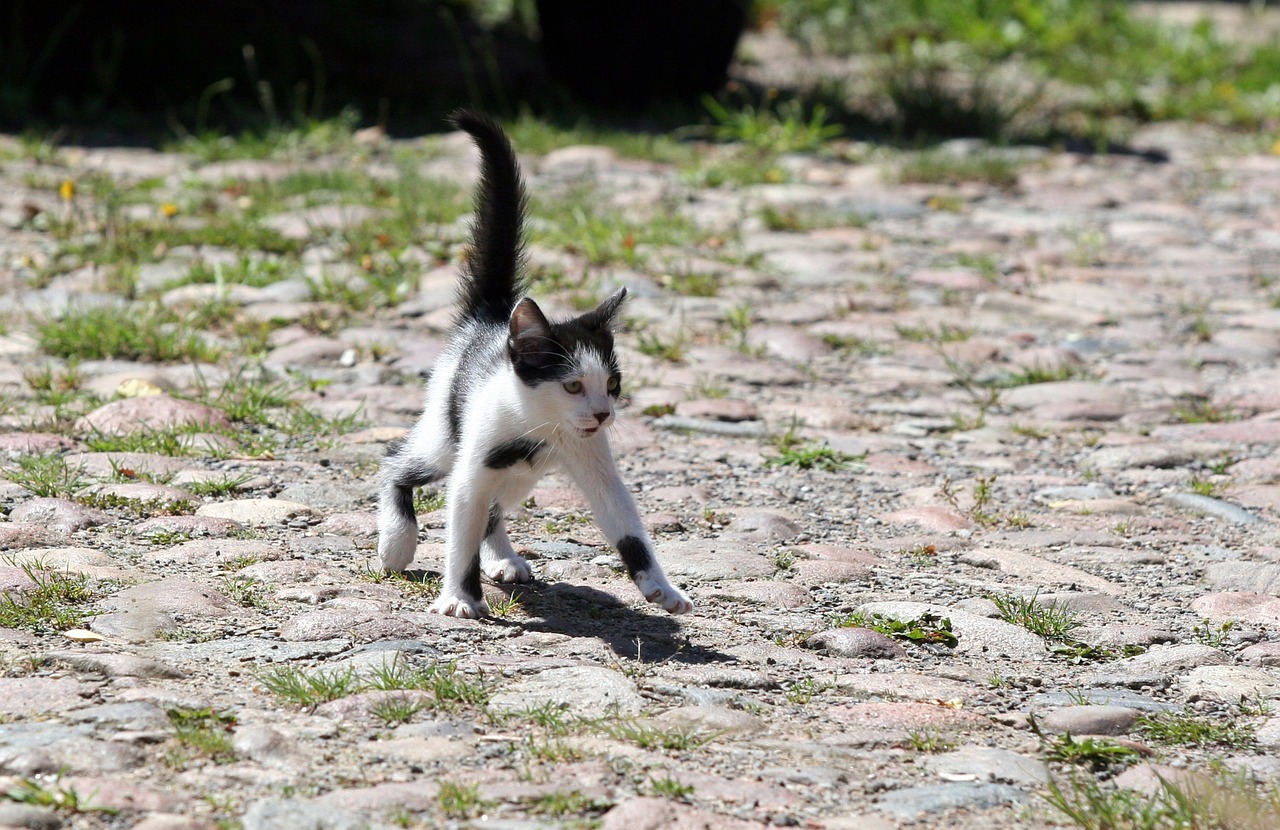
(602, 416)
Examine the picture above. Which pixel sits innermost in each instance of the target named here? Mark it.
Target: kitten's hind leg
(401, 472)
(498, 559)
(470, 490)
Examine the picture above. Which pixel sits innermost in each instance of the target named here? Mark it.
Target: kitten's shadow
(646, 634)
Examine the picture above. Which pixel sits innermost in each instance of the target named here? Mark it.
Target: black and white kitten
(512, 397)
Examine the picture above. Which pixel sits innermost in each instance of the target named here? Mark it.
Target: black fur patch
(404, 504)
(635, 555)
(396, 446)
(416, 474)
(495, 519)
(509, 453)
(471, 579)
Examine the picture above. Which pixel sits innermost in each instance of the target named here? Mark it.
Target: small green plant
(669, 788)
(1206, 633)
(1202, 411)
(57, 796)
(943, 168)
(805, 690)
(47, 475)
(394, 709)
(560, 804)
(427, 500)
(205, 732)
(1096, 753)
(739, 319)
(1052, 621)
(654, 345)
(54, 602)
(812, 458)
(927, 628)
(928, 740)
(1191, 729)
(302, 688)
(247, 593)
(551, 750)
(1219, 803)
(648, 736)
(507, 606)
(447, 685)
(768, 130)
(944, 333)
(1207, 487)
(1041, 374)
(553, 716)
(149, 334)
(216, 487)
(460, 801)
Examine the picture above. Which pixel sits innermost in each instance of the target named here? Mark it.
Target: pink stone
(719, 409)
(661, 814)
(903, 715)
(32, 695)
(153, 412)
(930, 518)
(1242, 606)
(956, 279)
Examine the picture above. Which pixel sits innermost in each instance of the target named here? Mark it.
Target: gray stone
(59, 515)
(856, 642)
(296, 814)
(584, 690)
(912, 802)
(116, 665)
(713, 560)
(1097, 697)
(739, 429)
(1213, 508)
(987, 764)
(258, 512)
(1231, 684)
(1090, 720)
(25, 815)
(1260, 577)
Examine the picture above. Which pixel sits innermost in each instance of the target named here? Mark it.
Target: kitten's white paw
(513, 569)
(661, 592)
(456, 605)
(397, 554)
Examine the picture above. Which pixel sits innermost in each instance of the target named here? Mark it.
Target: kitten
(513, 396)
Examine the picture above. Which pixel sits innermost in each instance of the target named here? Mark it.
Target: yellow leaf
(169, 209)
(138, 388)
(1275, 148)
(81, 635)
(67, 190)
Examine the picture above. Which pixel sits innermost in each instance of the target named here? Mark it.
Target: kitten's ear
(605, 315)
(529, 331)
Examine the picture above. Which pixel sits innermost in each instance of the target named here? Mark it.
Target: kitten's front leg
(616, 514)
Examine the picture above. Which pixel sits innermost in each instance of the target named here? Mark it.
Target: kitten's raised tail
(491, 280)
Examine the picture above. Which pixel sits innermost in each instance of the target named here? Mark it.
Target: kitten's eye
(613, 384)
(573, 387)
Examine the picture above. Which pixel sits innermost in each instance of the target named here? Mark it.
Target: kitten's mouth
(589, 430)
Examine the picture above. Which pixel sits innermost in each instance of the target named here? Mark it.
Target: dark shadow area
(649, 635)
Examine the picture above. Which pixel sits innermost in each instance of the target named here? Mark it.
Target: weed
(848, 345)
(54, 602)
(551, 715)
(1208, 487)
(946, 168)
(1041, 374)
(692, 284)
(151, 334)
(1190, 729)
(1207, 634)
(1201, 411)
(214, 488)
(506, 606)
(926, 629)
(552, 751)
(922, 556)
(805, 690)
(1096, 753)
(47, 475)
(944, 333)
(812, 458)
(560, 804)
(739, 319)
(930, 741)
(1220, 803)
(784, 559)
(648, 736)
(427, 500)
(205, 732)
(395, 709)
(659, 410)
(1028, 431)
(669, 788)
(294, 685)
(247, 593)
(460, 801)
(443, 681)
(57, 796)
(653, 345)
(1052, 621)
(704, 387)
(767, 129)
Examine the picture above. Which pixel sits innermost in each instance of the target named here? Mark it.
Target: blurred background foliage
(901, 70)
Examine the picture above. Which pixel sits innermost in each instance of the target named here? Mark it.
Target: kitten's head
(570, 366)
